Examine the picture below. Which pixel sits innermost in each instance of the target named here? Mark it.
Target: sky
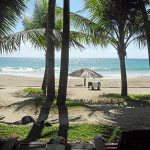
(27, 50)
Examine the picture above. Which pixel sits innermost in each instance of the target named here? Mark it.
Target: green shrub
(32, 92)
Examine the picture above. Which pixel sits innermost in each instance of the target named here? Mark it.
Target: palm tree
(62, 91)
(32, 33)
(146, 21)
(116, 21)
(50, 51)
(39, 124)
(39, 20)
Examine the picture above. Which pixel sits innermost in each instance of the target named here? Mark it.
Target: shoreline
(113, 76)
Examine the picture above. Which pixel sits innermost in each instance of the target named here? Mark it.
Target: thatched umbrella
(85, 73)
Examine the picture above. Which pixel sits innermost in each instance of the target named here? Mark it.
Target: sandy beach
(112, 115)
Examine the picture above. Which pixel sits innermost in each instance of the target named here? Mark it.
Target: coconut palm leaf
(39, 20)
(10, 11)
(103, 25)
(35, 28)
(12, 42)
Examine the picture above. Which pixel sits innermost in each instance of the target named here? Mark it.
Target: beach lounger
(89, 84)
(95, 85)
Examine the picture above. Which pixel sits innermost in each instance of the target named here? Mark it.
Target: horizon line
(74, 57)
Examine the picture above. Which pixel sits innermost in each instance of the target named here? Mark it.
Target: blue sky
(90, 52)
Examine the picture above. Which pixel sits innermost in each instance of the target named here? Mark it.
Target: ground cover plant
(131, 99)
(77, 132)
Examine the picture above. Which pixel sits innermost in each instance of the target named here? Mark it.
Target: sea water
(108, 67)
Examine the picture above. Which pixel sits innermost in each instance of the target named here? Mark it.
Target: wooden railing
(45, 146)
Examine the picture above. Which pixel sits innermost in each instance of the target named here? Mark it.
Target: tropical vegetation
(120, 22)
(82, 132)
(115, 22)
(50, 57)
(10, 12)
(144, 7)
(38, 22)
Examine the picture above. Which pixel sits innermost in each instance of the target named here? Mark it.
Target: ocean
(108, 67)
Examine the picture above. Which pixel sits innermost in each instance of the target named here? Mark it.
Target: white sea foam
(109, 68)
(21, 71)
(25, 71)
(16, 69)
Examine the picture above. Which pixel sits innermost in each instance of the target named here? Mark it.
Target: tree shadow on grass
(33, 104)
(49, 134)
(130, 100)
(130, 112)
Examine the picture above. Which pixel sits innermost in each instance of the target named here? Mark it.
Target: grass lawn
(134, 97)
(131, 99)
(80, 132)
(31, 92)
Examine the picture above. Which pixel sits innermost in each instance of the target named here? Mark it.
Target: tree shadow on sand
(1, 118)
(131, 100)
(35, 104)
(129, 113)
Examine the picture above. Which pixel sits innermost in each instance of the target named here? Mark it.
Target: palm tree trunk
(124, 91)
(146, 25)
(122, 53)
(37, 127)
(44, 83)
(62, 92)
(51, 52)
(39, 124)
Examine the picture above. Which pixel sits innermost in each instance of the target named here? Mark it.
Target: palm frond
(12, 42)
(10, 12)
